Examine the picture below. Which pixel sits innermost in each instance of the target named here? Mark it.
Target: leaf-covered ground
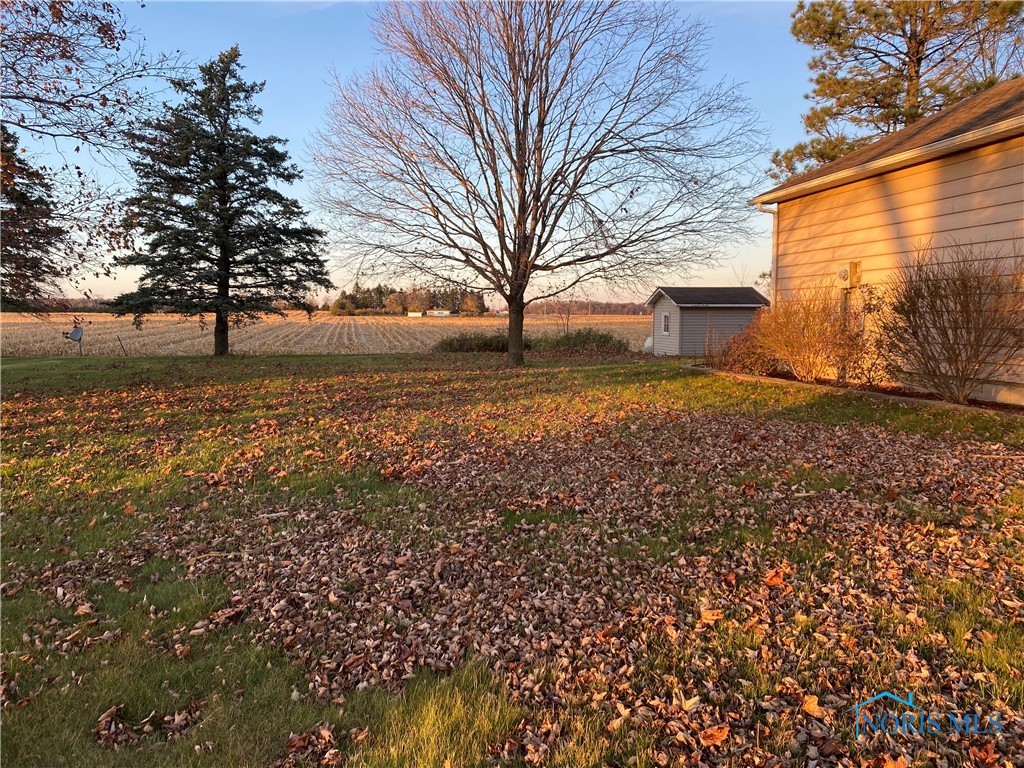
(623, 563)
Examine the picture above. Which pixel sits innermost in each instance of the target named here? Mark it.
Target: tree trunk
(220, 334)
(220, 328)
(516, 312)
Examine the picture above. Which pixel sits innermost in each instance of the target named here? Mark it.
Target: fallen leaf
(711, 615)
(811, 707)
(714, 736)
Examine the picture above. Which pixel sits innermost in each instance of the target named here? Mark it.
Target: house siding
(666, 344)
(975, 196)
(971, 197)
(719, 324)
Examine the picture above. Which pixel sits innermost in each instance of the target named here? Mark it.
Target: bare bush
(860, 359)
(740, 353)
(952, 322)
(812, 333)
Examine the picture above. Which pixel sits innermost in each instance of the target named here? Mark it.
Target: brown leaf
(714, 736)
(711, 615)
(617, 723)
(298, 743)
(811, 707)
(984, 756)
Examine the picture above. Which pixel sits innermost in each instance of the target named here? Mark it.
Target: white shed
(684, 318)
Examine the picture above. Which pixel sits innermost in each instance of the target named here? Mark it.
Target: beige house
(956, 177)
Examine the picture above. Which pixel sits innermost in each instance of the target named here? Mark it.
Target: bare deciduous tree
(57, 227)
(394, 304)
(72, 76)
(472, 305)
(418, 299)
(955, 319)
(73, 71)
(566, 308)
(529, 147)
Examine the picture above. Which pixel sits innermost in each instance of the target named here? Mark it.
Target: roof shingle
(711, 297)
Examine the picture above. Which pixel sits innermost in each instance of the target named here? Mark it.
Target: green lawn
(395, 560)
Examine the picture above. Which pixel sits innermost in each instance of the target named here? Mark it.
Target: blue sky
(294, 45)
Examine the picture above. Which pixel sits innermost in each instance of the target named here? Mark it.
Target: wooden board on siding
(1007, 201)
(877, 260)
(901, 224)
(993, 188)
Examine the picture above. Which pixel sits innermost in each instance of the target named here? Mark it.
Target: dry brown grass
(22, 335)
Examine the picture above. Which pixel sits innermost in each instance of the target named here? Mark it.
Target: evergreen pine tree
(222, 240)
(881, 65)
(34, 242)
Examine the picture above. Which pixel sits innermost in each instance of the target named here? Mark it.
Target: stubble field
(23, 335)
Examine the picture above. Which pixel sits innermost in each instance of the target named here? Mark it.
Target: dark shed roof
(711, 297)
(986, 110)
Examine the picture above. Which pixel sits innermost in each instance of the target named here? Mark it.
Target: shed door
(718, 324)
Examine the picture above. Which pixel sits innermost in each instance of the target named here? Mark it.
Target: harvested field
(23, 335)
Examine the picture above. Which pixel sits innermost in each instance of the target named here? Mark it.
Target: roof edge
(1005, 129)
(759, 305)
(765, 302)
(650, 301)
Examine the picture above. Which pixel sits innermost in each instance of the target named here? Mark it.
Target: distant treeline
(585, 307)
(388, 300)
(61, 304)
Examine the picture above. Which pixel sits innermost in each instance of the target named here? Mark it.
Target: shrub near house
(944, 325)
(951, 323)
(945, 184)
